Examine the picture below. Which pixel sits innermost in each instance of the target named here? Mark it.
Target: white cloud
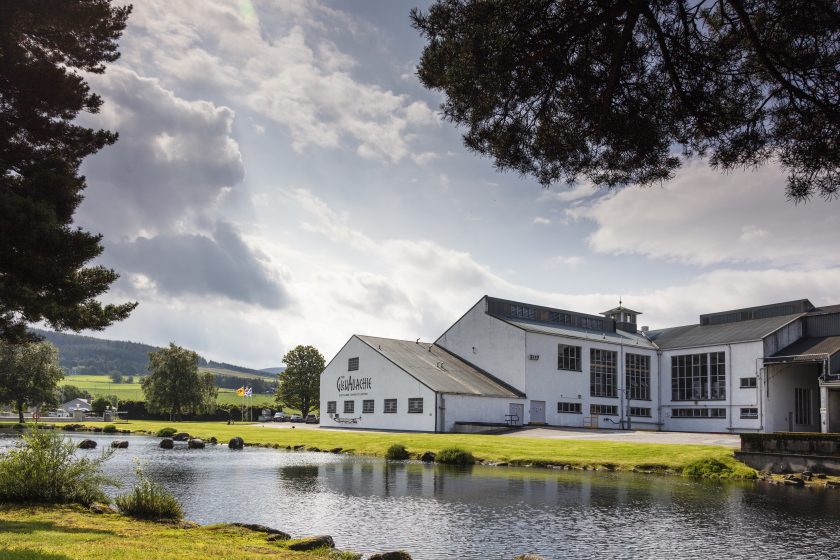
(704, 217)
(572, 262)
(539, 220)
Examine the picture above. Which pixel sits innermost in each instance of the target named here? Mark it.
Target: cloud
(704, 217)
(572, 262)
(539, 220)
(272, 59)
(221, 264)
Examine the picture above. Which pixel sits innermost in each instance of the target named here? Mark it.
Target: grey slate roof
(440, 370)
(811, 345)
(617, 337)
(725, 333)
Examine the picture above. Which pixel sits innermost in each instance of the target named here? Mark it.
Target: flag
(240, 392)
(249, 392)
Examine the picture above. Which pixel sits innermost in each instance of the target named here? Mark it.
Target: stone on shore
(100, 508)
(181, 436)
(394, 555)
(428, 457)
(119, 444)
(311, 543)
(264, 529)
(528, 557)
(87, 444)
(167, 443)
(336, 450)
(195, 443)
(236, 443)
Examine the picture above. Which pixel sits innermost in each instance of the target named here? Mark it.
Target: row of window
(389, 406)
(518, 311)
(603, 371)
(600, 409)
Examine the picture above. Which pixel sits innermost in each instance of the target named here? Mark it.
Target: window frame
(698, 377)
(595, 407)
(386, 406)
(353, 364)
(751, 383)
(414, 409)
(639, 412)
(637, 366)
(749, 415)
(368, 404)
(350, 409)
(577, 408)
(566, 361)
(332, 407)
(603, 373)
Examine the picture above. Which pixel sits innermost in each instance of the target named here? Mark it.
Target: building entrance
(537, 412)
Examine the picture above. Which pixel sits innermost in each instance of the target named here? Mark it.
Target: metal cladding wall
(822, 325)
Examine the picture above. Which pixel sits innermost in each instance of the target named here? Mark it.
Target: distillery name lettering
(350, 383)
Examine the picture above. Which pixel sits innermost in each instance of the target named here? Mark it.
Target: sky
(282, 177)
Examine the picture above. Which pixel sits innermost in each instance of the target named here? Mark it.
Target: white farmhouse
(769, 368)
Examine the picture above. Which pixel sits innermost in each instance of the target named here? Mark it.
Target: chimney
(645, 329)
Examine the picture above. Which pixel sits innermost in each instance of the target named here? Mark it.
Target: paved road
(640, 436)
(729, 440)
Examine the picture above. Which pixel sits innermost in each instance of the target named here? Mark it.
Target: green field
(523, 451)
(102, 385)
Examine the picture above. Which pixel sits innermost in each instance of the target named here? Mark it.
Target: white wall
(465, 408)
(782, 380)
(387, 381)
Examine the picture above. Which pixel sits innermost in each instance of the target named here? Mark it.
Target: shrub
(149, 500)
(708, 468)
(455, 456)
(397, 452)
(109, 429)
(44, 468)
(166, 432)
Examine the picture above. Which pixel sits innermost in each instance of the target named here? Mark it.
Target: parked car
(296, 418)
(312, 419)
(281, 417)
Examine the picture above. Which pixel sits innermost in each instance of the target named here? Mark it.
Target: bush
(44, 468)
(708, 468)
(455, 456)
(166, 432)
(109, 429)
(397, 452)
(149, 500)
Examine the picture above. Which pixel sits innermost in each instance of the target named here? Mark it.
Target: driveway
(630, 436)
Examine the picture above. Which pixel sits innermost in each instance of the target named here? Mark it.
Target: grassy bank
(671, 458)
(71, 532)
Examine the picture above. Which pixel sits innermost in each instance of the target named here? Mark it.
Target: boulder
(299, 447)
(311, 543)
(167, 443)
(213, 441)
(236, 443)
(276, 534)
(87, 444)
(794, 481)
(181, 436)
(195, 443)
(278, 537)
(428, 457)
(100, 508)
(394, 555)
(528, 557)
(119, 444)
(335, 450)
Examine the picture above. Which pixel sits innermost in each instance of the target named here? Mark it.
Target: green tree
(299, 385)
(116, 378)
(174, 384)
(70, 392)
(45, 49)
(620, 92)
(99, 404)
(29, 374)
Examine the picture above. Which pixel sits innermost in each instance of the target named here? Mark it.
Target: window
(698, 412)
(353, 364)
(749, 382)
(802, 406)
(603, 410)
(640, 411)
(568, 357)
(749, 412)
(637, 373)
(696, 377)
(349, 407)
(415, 406)
(523, 312)
(330, 407)
(568, 407)
(602, 373)
(390, 406)
(367, 406)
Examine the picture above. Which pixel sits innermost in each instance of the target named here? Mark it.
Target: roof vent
(645, 329)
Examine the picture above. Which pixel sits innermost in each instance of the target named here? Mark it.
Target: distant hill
(274, 370)
(86, 355)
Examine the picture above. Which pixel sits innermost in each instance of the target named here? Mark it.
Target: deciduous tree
(619, 92)
(174, 384)
(299, 385)
(45, 47)
(29, 374)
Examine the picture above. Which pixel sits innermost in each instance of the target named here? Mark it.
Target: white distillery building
(759, 369)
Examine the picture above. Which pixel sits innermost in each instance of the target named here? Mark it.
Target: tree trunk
(20, 411)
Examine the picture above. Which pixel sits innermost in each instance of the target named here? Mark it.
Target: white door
(537, 412)
(516, 414)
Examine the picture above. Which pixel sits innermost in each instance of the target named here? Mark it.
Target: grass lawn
(72, 532)
(102, 385)
(525, 451)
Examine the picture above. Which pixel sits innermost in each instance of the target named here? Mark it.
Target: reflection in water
(439, 512)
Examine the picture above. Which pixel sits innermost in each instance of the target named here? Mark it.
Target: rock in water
(195, 444)
(167, 443)
(119, 444)
(311, 543)
(181, 436)
(428, 457)
(236, 443)
(87, 444)
(394, 555)
(528, 557)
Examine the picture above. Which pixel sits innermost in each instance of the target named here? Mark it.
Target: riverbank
(68, 532)
(489, 449)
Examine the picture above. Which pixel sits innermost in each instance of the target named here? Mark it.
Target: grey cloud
(221, 265)
(172, 162)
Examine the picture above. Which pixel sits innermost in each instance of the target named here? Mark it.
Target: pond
(436, 512)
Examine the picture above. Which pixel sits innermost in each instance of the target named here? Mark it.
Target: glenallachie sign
(350, 383)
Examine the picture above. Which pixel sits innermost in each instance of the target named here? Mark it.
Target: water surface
(436, 512)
